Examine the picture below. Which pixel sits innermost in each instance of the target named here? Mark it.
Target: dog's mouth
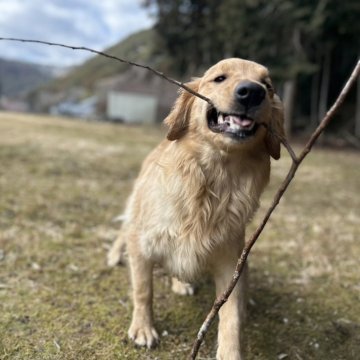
(237, 126)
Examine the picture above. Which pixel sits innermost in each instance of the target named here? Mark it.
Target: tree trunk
(314, 102)
(288, 99)
(357, 114)
(324, 89)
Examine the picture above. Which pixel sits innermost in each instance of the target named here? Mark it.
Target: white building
(135, 96)
(131, 107)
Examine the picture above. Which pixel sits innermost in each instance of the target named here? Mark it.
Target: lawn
(61, 184)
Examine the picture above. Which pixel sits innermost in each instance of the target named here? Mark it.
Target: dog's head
(243, 100)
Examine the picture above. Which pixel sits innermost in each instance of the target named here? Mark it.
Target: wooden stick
(250, 243)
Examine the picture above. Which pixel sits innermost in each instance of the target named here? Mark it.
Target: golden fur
(193, 198)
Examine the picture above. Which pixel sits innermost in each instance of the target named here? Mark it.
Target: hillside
(17, 78)
(137, 47)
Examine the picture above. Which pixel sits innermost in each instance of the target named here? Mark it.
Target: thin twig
(249, 244)
(156, 72)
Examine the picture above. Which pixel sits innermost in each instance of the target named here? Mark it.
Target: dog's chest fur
(197, 209)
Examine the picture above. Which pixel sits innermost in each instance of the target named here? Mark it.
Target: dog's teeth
(220, 118)
(237, 123)
(235, 127)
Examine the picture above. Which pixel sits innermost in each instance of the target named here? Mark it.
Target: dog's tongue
(243, 122)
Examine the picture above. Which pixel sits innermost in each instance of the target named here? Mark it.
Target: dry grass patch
(61, 184)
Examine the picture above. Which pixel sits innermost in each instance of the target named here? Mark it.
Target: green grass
(61, 184)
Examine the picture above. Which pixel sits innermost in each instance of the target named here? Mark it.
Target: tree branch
(158, 73)
(249, 244)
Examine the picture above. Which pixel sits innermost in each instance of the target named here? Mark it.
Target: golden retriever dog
(197, 191)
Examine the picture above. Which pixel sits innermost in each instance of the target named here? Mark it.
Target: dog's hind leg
(181, 288)
(116, 254)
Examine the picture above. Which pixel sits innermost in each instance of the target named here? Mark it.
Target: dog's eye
(268, 85)
(220, 78)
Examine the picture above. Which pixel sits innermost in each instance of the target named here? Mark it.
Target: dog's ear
(179, 117)
(276, 127)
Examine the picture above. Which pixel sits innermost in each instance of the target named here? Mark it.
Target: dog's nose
(249, 94)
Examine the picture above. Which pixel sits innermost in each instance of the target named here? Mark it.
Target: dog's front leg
(232, 314)
(141, 330)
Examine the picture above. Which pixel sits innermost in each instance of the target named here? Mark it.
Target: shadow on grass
(285, 320)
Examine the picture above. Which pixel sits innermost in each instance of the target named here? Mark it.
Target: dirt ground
(61, 184)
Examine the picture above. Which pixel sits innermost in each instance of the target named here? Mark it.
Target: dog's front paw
(143, 335)
(228, 354)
